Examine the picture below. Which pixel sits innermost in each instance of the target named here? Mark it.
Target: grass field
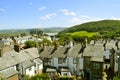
(84, 33)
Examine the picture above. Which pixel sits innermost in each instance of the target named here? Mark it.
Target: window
(74, 60)
(64, 60)
(96, 65)
(47, 61)
(60, 60)
(30, 69)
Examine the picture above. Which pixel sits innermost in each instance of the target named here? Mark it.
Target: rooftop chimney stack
(17, 48)
(44, 45)
(116, 44)
(71, 44)
(56, 44)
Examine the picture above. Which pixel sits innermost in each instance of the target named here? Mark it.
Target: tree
(65, 38)
(30, 44)
(36, 32)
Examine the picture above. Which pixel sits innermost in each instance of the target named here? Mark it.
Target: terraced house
(16, 65)
(84, 60)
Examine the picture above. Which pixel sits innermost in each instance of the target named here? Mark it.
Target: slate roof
(60, 52)
(111, 45)
(12, 58)
(30, 53)
(94, 51)
(46, 52)
(27, 64)
(51, 70)
(63, 69)
(96, 59)
(74, 51)
(8, 72)
(50, 52)
(39, 61)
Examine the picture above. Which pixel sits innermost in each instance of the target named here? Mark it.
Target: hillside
(45, 30)
(97, 26)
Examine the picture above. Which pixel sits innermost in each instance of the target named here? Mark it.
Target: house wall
(116, 64)
(56, 64)
(80, 66)
(96, 72)
(40, 68)
(30, 71)
(15, 77)
(86, 62)
(74, 67)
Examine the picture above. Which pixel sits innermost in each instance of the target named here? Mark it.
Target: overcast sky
(24, 14)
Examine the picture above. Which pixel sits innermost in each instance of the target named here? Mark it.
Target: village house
(63, 56)
(10, 73)
(24, 62)
(93, 60)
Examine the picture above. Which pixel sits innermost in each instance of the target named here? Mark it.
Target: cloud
(2, 10)
(115, 18)
(83, 19)
(48, 16)
(67, 12)
(42, 8)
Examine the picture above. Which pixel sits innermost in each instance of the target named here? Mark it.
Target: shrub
(40, 77)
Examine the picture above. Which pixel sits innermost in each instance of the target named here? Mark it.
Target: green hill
(97, 26)
(45, 30)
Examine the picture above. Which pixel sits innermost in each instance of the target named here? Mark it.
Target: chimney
(36, 45)
(104, 45)
(71, 44)
(44, 45)
(13, 39)
(116, 44)
(16, 48)
(85, 42)
(82, 49)
(56, 44)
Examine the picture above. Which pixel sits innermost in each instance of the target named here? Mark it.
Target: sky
(25, 14)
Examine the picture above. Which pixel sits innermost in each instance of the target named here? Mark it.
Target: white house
(63, 56)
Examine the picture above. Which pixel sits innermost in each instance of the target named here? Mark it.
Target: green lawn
(84, 33)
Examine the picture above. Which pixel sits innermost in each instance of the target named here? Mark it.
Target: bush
(40, 77)
(67, 78)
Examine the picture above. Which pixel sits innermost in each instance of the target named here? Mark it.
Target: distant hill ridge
(46, 30)
(96, 26)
